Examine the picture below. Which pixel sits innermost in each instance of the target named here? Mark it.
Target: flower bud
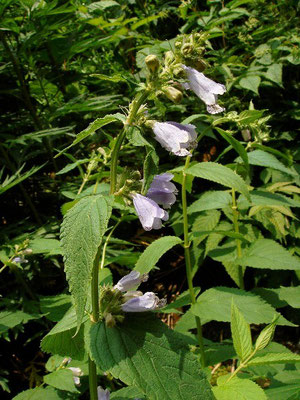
(187, 49)
(110, 322)
(27, 251)
(173, 94)
(169, 57)
(152, 63)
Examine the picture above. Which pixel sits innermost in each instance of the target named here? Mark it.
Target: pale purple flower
(146, 302)
(76, 375)
(177, 138)
(149, 213)
(103, 394)
(162, 191)
(19, 260)
(130, 281)
(204, 88)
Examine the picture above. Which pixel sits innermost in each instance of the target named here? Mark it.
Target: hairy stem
(242, 365)
(187, 256)
(134, 108)
(238, 242)
(94, 319)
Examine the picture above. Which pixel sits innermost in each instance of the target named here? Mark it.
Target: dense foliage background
(65, 63)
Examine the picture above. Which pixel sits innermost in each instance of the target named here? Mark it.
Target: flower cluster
(136, 301)
(124, 297)
(162, 192)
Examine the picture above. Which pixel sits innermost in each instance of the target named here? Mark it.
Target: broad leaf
(284, 392)
(215, 304)
(266, 253)
(238, 389)
(251, 83)
(126, 393)
(10, 319)
(61, 340)
(264, 159)
(210, 201)
(61, 379)
(39, 393)
(241, 334)
(145, 353)
(220, 174)
(81, 234)
(152, 254)
(275, 358)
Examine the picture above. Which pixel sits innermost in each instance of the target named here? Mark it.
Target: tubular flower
(146, 302)
(77, 373)
(177, 138)
(162, 191)
(103, 394)
(130, 281)
(206, 89)
(149, 213)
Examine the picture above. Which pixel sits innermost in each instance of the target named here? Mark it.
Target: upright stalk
(94, 319)
(238, 242)
(134, 108)
(187, 257)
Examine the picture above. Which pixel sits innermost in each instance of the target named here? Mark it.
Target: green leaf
(285, 392)
(45, 246)
(152, 254)
(220, 174)
(39, 393)
(55, 307)
(126, 393)
(215, 304)
(232, 268)
(250, 83)
(92, 128)
(10, 319)
(241, 334)
(263, 198)
(289, 294)
(61, 379)
(265, 336)
(238, 389)
(210, 201)
(149, 168)
(81, 234)
(231, 234)
(264, 159)
(274, 73)
(61, 340)
(238, 147)
(275, 358)
(266, 253)
(145, 353)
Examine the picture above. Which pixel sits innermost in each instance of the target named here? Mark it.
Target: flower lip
(149, 213)
(149, 301)
(103, 394)
(206, 89)
(131, 281)
(162, 191)
(175, 137)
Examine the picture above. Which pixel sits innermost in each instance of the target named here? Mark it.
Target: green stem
(238, 242)
(242, 365)
(106, 243)
(134, 108)
(187, 256)
(94, 319)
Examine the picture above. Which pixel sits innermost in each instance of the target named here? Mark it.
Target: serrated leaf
(220, 174)
(39, 393)
(238, 147)
(238, 389)
(93, 126)
(126, 393)
(264, 159)
(266, 253)
(145, 353)
(81, 234)
(250, 83)
(232, 268)
(215, 304)
(265, 336)
(275, 358)
(274, 73)
(61, 340)
(285, 392)
(210, 201)
(61, 379)
(241, 334)
(10, 319)
(55, 307)
(152, 254)
(263, 198)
